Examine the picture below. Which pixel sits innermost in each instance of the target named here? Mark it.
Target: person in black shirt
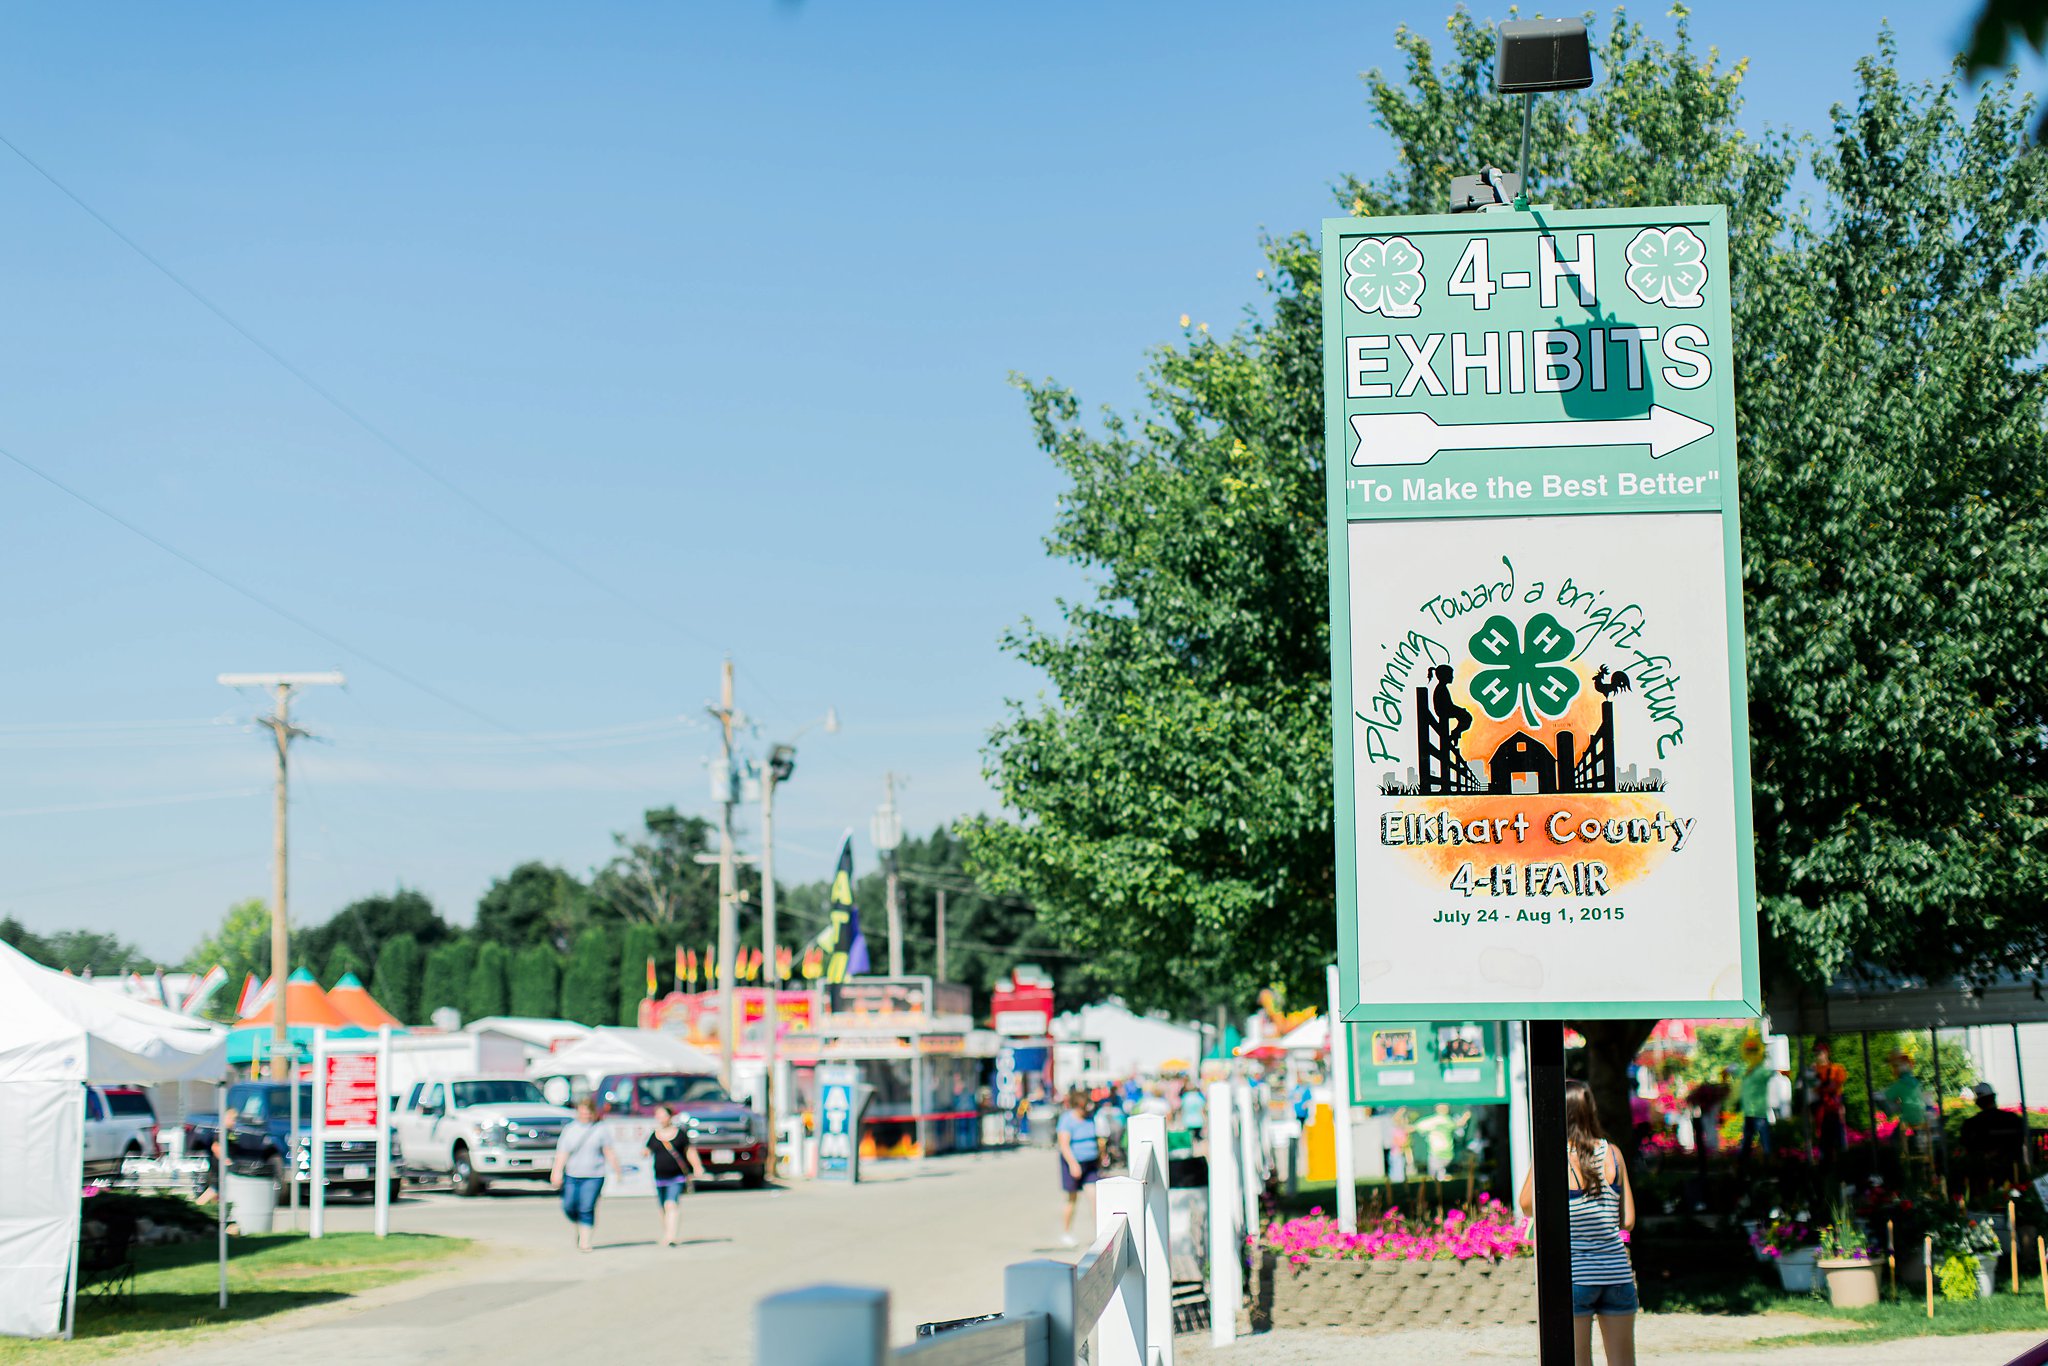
(1994, 1142)
(675, 1162)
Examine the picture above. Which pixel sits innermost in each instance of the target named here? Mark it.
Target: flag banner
(682, 967)
(203, 989)
(845, 947)
(650, 975)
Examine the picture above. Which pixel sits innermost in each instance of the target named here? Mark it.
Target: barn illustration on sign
(1521, 669)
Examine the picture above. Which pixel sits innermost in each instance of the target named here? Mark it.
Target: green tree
(13, 932)
(95, 952)
(638, 944)
(490, 984)
(655, 878)
(241, 945)
(341, 962)
(365, 924)
(397, 984)
(446, 984)
(1891, 413)
(537, 982)
(590, 986)
(532, 904)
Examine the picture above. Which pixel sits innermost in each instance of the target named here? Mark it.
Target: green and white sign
(1539, 712)
(1420, 1062)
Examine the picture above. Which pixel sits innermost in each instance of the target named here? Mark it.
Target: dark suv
(729, 1137)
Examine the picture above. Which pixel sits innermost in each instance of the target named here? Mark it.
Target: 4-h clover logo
(1383, 275)
(1667, 266)
(1525, 669)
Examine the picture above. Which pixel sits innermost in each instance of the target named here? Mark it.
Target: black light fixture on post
(1535, 57)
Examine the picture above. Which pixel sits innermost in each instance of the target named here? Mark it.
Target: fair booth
(57, 1034)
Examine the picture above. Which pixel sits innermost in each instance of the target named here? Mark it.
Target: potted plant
(1789, 1243)
(1844, 1260)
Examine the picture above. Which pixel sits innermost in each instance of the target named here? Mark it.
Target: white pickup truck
(476, 1130)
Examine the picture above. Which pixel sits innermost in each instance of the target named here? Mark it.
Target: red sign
(352, 1091)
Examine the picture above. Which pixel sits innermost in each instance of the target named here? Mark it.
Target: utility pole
(725, 791)
(781, 763)
(940, 974)
(282, 732)
(887, 832)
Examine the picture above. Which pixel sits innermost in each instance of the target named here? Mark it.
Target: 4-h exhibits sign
(1541, 746)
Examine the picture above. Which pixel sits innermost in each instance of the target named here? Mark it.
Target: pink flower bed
(1490, 1232)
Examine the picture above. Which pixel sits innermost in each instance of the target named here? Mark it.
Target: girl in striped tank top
(1603, 1284)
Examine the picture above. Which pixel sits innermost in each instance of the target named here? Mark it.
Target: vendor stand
(915, 1043)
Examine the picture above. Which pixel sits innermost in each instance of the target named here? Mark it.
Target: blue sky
(716, 302)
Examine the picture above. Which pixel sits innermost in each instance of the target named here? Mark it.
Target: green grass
(177, 1286)
(2004, 1312)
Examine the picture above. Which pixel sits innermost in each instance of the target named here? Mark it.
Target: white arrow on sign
(1413, 438)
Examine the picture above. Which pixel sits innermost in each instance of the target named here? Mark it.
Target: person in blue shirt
(1193, 1109)
(1080, 1155)
(1304, 1098)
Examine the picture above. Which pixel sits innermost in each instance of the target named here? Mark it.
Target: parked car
(476, 1130)
(731, 1138)
(265, 1137)
(120, 1123)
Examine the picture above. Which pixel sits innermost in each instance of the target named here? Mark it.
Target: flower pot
(1852, 1282)
(1985, 1289)
(1795, 1270)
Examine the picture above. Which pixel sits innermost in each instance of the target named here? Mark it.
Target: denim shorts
(670, 1191)
(1588, 1300)
(579, 1198)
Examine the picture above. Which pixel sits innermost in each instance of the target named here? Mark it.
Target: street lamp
(1534, 57)
(780, 766)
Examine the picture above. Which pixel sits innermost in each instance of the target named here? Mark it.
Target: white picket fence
(1118, 1300)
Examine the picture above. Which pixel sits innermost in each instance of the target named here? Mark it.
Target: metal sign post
(1553, 1203)
(349, 1106)
(316, 1147)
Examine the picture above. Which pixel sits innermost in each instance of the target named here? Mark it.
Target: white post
(1148, 1164)
(1518, 1107)
(1251, 1155)
(382, 1217)
(78, 1233)
(1226, 1242)
(220, 1180)
(1120, 1332)
(316, 1145)
(1044, 1287)
(823, 1325)
(1340, 1108)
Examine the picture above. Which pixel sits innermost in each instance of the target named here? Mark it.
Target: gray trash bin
(252, 1201)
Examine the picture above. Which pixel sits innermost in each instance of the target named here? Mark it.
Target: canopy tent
(1312, 1037)
(353, 1002)
(1871, 1000)
(616, 1049)
(58, 1033)
(306, 1008)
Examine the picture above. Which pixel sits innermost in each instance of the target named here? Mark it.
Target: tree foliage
(655, 878)
(364, 925)
(341, 962)
(537, 982)
(446, 984)
(1893, 541)
(590, 986)
(397, 983)
(490, 982)
(241, 945)
(533, 904)
(81, 951)
(638, 944)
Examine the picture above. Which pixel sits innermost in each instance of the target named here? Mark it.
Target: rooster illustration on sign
(1608, 686)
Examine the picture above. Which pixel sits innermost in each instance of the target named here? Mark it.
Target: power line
(353, 415)
(279, 610)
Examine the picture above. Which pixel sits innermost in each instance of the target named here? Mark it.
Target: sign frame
(1339, 440)
(1490, 1087)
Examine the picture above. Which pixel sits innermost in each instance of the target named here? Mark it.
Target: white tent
(56, 1034)
(1312, 1036)
(617, 1049)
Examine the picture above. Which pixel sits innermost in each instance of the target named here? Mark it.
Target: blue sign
(838, 1124)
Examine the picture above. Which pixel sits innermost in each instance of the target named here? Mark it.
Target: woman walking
(675, 1163)
(581, 1155)
(1080, 1155)
(1602, 1206)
